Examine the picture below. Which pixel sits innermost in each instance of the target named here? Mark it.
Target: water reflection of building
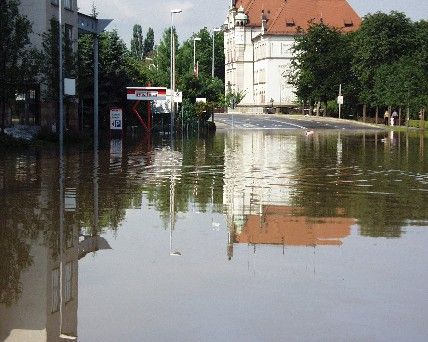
(46, 299)
(286, 226)
(36, 315)
(260, 171)
(257, 171)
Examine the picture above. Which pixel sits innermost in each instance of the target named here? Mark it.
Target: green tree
(382, 39)
(50, 55)
(137, 43)
(163, 59)
(18, 64)
(321, 63)
(149, 42)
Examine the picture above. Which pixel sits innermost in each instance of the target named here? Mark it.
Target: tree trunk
(377, 115)
(325, 108)
(318, 108)
(407, 116)
(311, 108)
(3, 113)
(399, 116)
(422, 120)
(364, 112)
(303, 107)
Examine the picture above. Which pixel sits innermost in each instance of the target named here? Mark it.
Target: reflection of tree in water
(372, 181)
(200, 178)
(18, 225)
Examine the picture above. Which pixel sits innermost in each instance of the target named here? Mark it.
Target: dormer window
(290, 22)
(348, 23)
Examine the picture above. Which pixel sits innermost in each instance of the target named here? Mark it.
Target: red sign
(146, 93)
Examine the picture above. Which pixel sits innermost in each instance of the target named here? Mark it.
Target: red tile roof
(285, 16)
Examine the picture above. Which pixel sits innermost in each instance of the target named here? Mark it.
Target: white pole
(212, 68)
(340, 104)
(194, 54)
(172, 75)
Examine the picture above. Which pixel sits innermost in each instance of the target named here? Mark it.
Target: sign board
(164, 106)
(340, 100)
(146, 93)
(70, 86)
(116, 122)
(178, 97)
(201, 99)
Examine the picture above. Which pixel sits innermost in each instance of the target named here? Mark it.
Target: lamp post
(195, 39)
(61, 76)
(174, 11)
(214, 30)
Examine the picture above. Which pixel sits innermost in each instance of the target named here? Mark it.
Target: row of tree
(22, 66)
(144, 63)
(382, 64)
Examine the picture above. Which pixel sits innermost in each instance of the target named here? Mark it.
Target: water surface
(244, 236)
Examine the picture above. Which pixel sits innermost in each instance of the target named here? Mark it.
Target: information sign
(116, 119)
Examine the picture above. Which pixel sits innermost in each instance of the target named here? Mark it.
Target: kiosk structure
(138, 94)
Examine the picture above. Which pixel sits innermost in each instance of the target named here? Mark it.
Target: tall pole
(96, 104)
(194, 54)
(172, 75)
(213, 56)
(61, 90)
(172, 39)
(340, 104)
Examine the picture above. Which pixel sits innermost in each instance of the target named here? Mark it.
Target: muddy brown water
(245, 236)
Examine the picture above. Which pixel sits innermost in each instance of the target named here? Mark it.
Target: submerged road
(286, 122)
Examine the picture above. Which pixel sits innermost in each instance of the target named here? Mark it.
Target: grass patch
(417, 123)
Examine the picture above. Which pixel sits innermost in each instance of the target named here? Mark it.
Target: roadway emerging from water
(286, 122)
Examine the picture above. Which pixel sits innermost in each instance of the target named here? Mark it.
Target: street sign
(201, 99)
(146, 93)
(70, 86)
(116, 119)
(340, 100)
(178, 97)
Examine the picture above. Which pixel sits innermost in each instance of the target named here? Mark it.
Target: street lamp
(61, 76)
(194, 53)
(173, 11)
(214, 30)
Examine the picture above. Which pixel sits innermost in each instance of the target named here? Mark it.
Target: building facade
(33, 106)
(258, 39)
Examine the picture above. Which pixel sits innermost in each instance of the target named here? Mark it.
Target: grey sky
(210, 13)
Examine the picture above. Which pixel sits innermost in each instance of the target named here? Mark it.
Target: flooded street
(243, 236)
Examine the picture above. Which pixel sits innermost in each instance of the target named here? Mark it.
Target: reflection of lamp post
(213, 57)
(61, 238)
(174, 11)
(172, 215)
(194, 53)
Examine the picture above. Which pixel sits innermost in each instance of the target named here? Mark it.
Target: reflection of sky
(305, 293)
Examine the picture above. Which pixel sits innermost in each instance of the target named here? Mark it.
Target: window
(348, 23)
(68, 31)
(55, 290)
(290, 22)
(68, 4)
(68, 282)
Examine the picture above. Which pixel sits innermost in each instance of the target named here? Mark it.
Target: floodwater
(244, 236)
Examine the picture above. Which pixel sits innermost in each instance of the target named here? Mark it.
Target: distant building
(32, 106)
(258, 40)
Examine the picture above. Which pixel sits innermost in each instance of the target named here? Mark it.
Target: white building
(258, 40)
